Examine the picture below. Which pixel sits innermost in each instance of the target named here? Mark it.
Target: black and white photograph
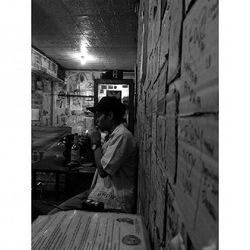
(119, 129)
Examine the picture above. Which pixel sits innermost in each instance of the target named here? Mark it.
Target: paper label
(89, 230)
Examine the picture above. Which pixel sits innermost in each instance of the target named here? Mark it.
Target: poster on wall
(81, 82)
(76, 103)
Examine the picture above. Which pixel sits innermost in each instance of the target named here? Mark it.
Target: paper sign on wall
(199, 66)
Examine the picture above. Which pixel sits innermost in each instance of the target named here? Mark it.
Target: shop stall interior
(160, 59)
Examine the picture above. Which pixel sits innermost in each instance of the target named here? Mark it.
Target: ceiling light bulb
(83, 60)
(84, 49)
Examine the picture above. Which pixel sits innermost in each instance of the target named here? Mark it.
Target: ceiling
(107, 27)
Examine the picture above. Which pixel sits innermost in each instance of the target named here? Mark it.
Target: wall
(69, 100)
(79, 85)
(177, 122)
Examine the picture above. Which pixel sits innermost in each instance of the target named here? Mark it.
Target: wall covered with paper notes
(177, 122)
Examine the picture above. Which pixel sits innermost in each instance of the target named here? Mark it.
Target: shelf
(47, 76)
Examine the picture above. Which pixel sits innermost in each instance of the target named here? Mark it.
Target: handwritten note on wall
(143, 191)
(148, 147)
(174, 218)
(148, 107)
(187, 3)
(171, 140)
(161, 138)
(157, 194)
(154, 131)
(152, 4)
(162, 81)
(201, 133)
(199, 66)
(154, 94)
(161, 184)
(188, 182)
(164, 37)
(197, 176)
(156, 60)
(157, 20)
(206, 222)
(176, 13)
(152, 192)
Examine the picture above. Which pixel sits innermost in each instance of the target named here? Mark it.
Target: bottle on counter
(75, 151)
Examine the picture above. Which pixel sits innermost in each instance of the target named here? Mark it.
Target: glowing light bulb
(83, 60)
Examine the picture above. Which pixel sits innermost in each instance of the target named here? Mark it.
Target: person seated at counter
(115, 160)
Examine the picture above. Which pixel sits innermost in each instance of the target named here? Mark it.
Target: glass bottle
(75, 151)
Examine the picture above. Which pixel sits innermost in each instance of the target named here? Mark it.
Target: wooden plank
(199, 66)
(176, 13)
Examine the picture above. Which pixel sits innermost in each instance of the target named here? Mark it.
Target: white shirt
(119, 160)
